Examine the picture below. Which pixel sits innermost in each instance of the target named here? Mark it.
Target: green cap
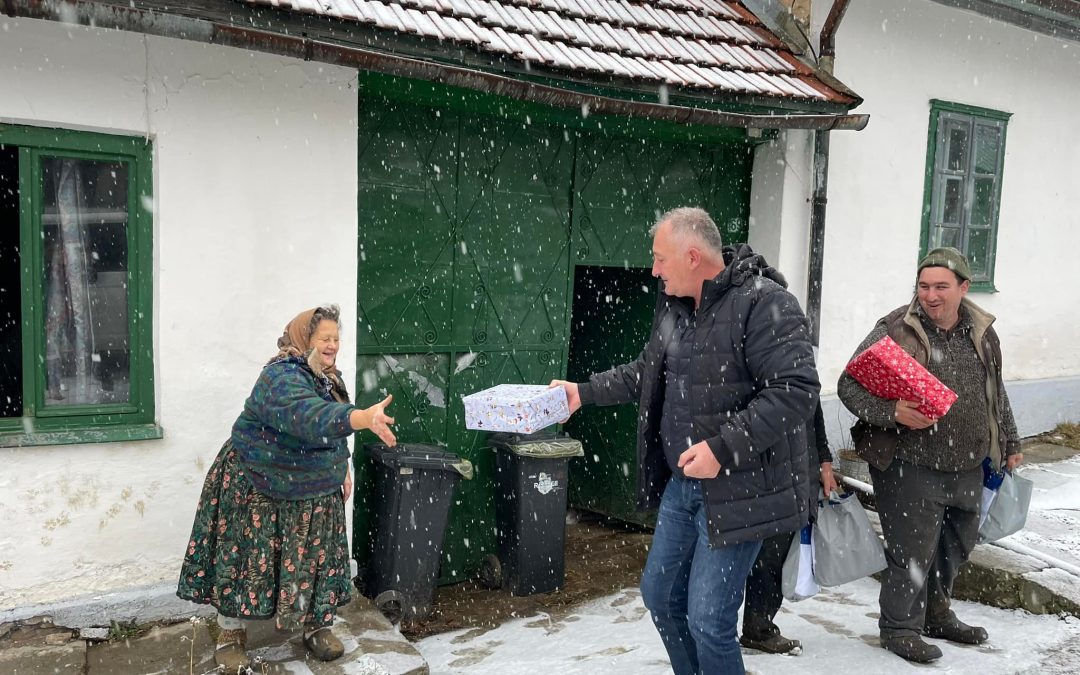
(949, 257)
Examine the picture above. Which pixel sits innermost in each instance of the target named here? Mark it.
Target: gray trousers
(930, 520)
(764, 588)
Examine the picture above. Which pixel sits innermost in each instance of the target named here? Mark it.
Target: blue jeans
(693, 591)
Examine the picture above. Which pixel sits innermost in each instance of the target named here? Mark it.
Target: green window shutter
(85, 256)
(962, 197)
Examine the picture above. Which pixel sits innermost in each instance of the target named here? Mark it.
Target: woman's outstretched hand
(380, 421)
(375, 419)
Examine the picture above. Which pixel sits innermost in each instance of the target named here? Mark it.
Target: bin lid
(542, 445)
(419, 456)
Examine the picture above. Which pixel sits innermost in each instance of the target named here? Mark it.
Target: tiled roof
(715, 45)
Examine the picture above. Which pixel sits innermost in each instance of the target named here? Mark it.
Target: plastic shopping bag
(991, 483)
(1007, 511)
(846, 547)
(797, 581)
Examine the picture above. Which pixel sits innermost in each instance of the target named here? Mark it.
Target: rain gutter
(141, 20)
(820, 198)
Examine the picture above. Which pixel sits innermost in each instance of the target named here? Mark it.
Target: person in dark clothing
(927, 473)
(763, 586)
(724, 386)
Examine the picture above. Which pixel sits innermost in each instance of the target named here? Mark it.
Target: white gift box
(517, 408)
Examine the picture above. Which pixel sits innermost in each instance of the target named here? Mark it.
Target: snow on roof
(697, 44)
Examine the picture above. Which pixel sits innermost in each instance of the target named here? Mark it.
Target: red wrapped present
(888, 372)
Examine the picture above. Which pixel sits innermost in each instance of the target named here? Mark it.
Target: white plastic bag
(797, 582)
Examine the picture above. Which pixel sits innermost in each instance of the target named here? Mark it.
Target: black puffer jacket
(753, 391)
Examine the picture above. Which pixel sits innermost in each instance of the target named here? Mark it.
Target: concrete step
(63, 659)
(373, 646)
(1002, 578)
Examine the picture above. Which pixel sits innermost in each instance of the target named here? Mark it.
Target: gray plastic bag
(846, 547)
(1008, 510)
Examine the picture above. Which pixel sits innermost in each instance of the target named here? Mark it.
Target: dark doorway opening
(610, 322)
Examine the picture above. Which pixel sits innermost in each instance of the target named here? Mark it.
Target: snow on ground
(838, 629)
(1053, 524)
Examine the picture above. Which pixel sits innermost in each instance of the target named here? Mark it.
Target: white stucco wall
(780, 205)
(254, 220)
(898, 55)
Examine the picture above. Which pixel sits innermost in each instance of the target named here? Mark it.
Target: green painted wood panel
(624, 184)
(622, 187)
(471, 227)
(407, 211)
(514, 190)
(463, 283)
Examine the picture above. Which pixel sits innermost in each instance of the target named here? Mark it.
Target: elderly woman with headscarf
(269, 538)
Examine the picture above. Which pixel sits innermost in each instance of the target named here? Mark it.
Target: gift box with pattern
(885, 370)
(517, 408)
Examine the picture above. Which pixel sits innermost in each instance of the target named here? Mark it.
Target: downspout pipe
(820, 196)
(817, 234)
(827, 40)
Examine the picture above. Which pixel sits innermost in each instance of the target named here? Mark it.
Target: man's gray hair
(691, 222)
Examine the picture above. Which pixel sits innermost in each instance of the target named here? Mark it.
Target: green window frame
(129, 221)
(965, 158)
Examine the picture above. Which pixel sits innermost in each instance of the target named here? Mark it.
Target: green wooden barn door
(407, 208)
(463, 282)
(511, 285)
(622, 186)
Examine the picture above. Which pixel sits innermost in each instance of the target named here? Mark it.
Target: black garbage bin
(414, 487)
(531, 475)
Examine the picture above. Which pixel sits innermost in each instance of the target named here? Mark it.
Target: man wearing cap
(927, 472)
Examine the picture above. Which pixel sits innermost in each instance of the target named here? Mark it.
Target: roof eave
(1056, 18)
(136, 17)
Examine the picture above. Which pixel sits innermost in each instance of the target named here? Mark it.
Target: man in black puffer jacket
(726, 386)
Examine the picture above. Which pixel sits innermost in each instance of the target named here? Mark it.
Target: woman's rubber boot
(230, 654)
(323, 645)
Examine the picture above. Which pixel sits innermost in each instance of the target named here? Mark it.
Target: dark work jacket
(877, 445)
(818, 456)
(753, 390)
(821, 438)
(677, 424)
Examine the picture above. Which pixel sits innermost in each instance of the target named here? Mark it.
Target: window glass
(956, 157)
(978, 251)
(84, 222)
(982, 204)
(987, 147)
(953, 201)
